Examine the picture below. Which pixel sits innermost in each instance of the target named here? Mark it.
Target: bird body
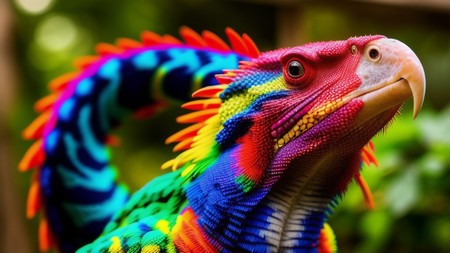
(274, 140)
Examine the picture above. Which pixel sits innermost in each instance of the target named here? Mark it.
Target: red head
(309, 110)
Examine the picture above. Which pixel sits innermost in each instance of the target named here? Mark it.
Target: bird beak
(390, 73)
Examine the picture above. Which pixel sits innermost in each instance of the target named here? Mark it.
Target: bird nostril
(353, 49)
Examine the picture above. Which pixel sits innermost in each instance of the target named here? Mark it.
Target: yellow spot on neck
(187, 170)
(163, 226)
(151, 249)
(116, 246)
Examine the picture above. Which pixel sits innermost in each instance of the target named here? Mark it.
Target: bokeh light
(56, 33)
(34, 7)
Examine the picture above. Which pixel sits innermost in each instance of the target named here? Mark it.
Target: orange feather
(105, 49)
(236, 41)
(169, 39)
(191, 37)
(198, 116)
(126, 43)
(253, 50)
(150, 38)
(209, 91)
(185, 133)
(61, 82)
(184, 144)
(34, 157)
(46, 102)
(365, 190)
(36, 128)
(34, 198)
(45, 236)
(85, 61)
(201, 104)
(214, 41)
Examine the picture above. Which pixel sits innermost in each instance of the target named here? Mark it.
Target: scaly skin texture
(271, 151)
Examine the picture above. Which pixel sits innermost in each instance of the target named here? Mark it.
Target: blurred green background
(40, 38)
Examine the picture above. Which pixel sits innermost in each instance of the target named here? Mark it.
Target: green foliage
(410, 188)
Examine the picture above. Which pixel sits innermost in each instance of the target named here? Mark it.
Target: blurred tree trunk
(13, 235)
(290, 29)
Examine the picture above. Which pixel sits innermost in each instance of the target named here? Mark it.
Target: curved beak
(390, 73)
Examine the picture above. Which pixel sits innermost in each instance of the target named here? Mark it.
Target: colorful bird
(275, 139)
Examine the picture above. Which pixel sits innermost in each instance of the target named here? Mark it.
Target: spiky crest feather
(367, 157)
(197, 141)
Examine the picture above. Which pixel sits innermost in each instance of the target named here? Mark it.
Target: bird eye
(295, 69)
(374, 54)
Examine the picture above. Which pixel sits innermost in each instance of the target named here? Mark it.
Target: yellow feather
(187, 170)
(116, 246)
(150, 249)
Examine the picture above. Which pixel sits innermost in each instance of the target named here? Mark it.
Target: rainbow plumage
(80, 113)
(255, 127)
